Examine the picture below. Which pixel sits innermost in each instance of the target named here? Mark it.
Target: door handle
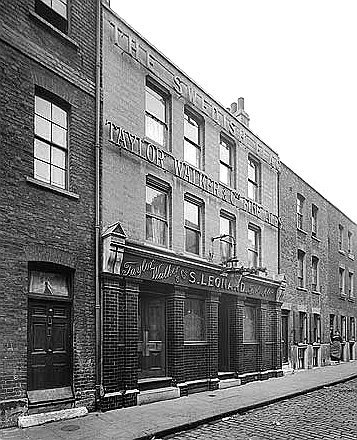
(50, 350)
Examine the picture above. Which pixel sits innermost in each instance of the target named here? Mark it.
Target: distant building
(178, 171)
(318, 259)
(47, 180)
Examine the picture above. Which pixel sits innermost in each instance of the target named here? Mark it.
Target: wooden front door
(151, 337)
(285, 336)
(223, 328)
(49, 347)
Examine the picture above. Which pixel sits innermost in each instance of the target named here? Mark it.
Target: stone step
(158, 394)
(41, 418)
(228, 383)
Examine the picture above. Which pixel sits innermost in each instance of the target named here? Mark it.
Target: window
(192, 216)
(194, 320)
(349, 242)
(316, 328)
(332, 325)
(226, 158)
(342, 281)
(352, 329)
(299, 211)
(350, 285)
(340, 237)
(314, 212)
(226, 227)
(53, 11)
(253, 246)
(156, 215)
(301, 269)
(155, 114)
(253, 179)
(250, 324)
(50, 143)
(314, 274)
(48, 282)
(343, 328)
(192, 139)
(303, 327)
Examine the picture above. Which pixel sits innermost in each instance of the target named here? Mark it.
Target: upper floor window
(156, 215)
(192, 138)
(155, 114)
(349, 242)
(340, 237)
(314, 273)
(253, 179)
(226, 159)
(301, 268)
(192, 214)
(341, 273)
(314, 212)
(50, 143)
(53, 11)
(350, 285)
(226, 227)
(254, 239)
(300, 211)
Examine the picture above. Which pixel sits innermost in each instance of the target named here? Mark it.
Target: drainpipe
(98, 321)
(279, 228)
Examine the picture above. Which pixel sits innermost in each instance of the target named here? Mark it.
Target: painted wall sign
(166, 161)
(156, 270)
(141, 52)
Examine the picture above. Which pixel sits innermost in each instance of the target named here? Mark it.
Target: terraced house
(186, 186)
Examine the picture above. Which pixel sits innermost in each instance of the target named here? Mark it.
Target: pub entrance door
(49, 345)
(224, 337)
(285, 336)
(152, 336)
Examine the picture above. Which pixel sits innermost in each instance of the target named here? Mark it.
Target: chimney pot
(233, 107)
(240, 103)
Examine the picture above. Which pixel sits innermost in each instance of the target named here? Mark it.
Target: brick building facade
(178, 172)
(47, 179)
(317, 258)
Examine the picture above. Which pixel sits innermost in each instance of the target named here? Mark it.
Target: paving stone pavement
(329, 413)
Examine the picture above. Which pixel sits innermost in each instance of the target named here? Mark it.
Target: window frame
(257, 238)
(349, 242)
(192, 115)
(158, 90)
(232, 232)
(315, 274)
(45, 267)
(303, 327)
(350, 286)
(199, 229)
(314, 220)
(163, 188)
(300, 202)
(65, 107)
(254, 339)
(256, 183)
(301, 272)
(224, 141)
(340, 237)
(342, 281)
(352, 328)
(51, 16)
(316, 328)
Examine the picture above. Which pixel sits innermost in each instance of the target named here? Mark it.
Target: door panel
(151, 344)
(49, 349)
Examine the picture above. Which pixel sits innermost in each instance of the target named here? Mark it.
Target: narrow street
(329, 413)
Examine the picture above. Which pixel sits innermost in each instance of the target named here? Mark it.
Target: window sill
(55, 189)
(351, 257)
(343, 296)
(250, 343)
(302, 231)
(53, 29)
(195, 343)
(316, 292)
(156, 144)
(351, 299)
(315, 238)
(302, 289)
(342, 252)
(316, 344)
(302, 344)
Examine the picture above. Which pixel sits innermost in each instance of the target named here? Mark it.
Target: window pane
(224, 226)
(252, 191)
(42, 150)
(42, 107)
(252, 258)
(191, 154)
(252, 239)
(155, 104)
(194, 320)
(59, 116)
(59, 136)
(249, 333)
(58, 177)
(42, 127)
(155, 202)
(191, 129)
(225, 174)
(42, 171)
(154, 130)
(60, 8)
(192, 241)
(48, 283)
(225, 153)
(252, 171)
(58, 157)
(156, 231)
(191, 212)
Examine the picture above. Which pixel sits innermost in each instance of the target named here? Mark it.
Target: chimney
(239, 113)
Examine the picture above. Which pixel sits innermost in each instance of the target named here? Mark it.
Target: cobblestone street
(329, 413)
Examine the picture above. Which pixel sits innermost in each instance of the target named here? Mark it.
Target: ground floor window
(250, 324)
(301, 358)
(315, 357)
(194, 320)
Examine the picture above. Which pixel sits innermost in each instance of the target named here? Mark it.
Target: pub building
(186, 189)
